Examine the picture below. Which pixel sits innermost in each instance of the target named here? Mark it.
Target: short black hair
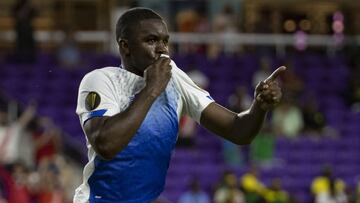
(133, 17)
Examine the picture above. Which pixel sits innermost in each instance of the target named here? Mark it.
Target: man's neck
(132, 70)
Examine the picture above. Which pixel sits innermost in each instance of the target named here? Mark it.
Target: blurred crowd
(298, 115)
(33, 166)
(248, 188)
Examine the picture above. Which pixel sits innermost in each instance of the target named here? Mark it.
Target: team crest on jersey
(92, 101)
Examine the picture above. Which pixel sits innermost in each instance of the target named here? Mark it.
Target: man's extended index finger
(275, 74)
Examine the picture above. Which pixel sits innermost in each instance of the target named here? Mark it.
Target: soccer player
(130, 114)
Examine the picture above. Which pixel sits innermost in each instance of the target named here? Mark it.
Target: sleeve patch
(92, 101)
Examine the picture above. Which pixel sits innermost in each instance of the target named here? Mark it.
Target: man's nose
(161, 48)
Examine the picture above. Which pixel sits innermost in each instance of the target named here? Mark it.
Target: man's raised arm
(241, 128)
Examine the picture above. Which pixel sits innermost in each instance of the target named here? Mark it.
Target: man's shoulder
(100, 73)
(98, 76)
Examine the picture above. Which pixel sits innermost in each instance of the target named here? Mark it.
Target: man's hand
(157, 76)
(268, 93)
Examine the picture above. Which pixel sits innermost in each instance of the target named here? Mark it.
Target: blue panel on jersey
(97, 113)
(137, 173)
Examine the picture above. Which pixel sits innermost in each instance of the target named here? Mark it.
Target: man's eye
(151, 41)
(166, 41)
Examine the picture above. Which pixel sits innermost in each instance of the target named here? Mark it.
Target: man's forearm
(116, 132)
(248, 124)
(237, 128)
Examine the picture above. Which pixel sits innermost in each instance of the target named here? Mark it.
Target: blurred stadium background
(308, 150)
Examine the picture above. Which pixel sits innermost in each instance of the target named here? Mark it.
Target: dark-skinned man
(130, 114)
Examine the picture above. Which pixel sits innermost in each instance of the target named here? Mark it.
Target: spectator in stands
(47, 138)
(287, 119)
(24, 13)
(55, 180)
(195, 194)
(314, 120)
(187, 21)
(14, 182)
(69, 176)
(15, 144)
(234, 155)
(20, 186)
(331, 196)
(68, 55)
(229, 191)
(262, 148)
(203, 26)
(252, 186)
(224, 23)
(275, 194)
(50, 188)
(327, 189)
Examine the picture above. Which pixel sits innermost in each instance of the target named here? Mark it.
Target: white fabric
(194, 98)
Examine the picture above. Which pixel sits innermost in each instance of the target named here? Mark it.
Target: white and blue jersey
(138, 172)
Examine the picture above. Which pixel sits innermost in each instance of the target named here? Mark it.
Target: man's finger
(275, 74)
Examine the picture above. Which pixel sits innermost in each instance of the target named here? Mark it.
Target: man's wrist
(258, 107)
(150, 93)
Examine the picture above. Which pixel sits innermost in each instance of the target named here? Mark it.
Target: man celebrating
(130, 115)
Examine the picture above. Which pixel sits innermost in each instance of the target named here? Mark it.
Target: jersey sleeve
(195, 99)
(96, 97)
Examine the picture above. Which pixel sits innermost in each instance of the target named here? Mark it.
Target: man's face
(150, 40)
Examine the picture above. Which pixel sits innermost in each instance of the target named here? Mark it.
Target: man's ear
(123, 46)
